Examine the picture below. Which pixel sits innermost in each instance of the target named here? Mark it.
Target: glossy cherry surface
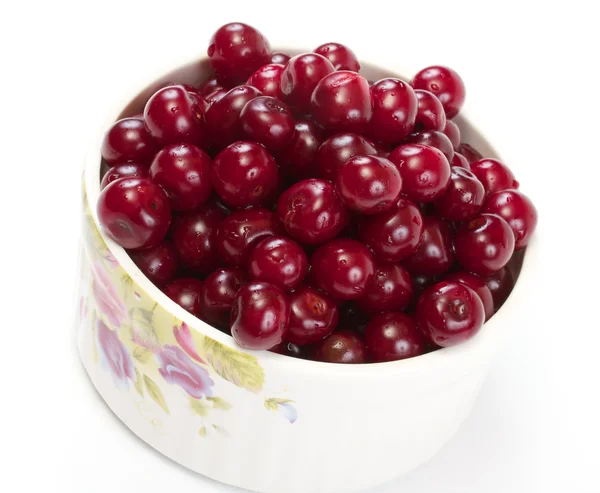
(425, 171)
(394, 111)
(395, 234)
(218, 292)
(341, 347)
(434, 138)
(128, 140)
(313, 316)
(280, 261)
(343, 268)
(134, 212)
(298, 160)
(311, 212)
(393, 336)
(449, 313)
(452, 131)
(301, 75)
(500, 284)
(267, 79)
(210, 86)
(267, 121)
(517, 210)
(469, 152)
(430, 112)
(158, 263)
(484, 244)
(186, 292)
(244, 174)
(337, 149)
(494, 175)
(280, 58)
(290, 349)
(434, 255)
(446, 84)
(259, 316)
(126, 170)
(477, 284)
(390, 289)
(459, 161)
(462, 199)
(340, 56)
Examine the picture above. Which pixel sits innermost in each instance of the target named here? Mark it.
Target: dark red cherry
(134, 212)
(517, 210)
(280, 58)
(430, 112)
(298, 160)
(462, 199)
(313, 316)
(290, 349)
(128, 140)
(210, 86)
(421, 283)
(341, 347)
(236, 50)
(352, 318)
(340, 56)
(446, 84)
(337, 149)
(126, 170)
(434, 256)
(453, 133)
(244, 174)
(494, 175)
(267, 121)
(469, 152)
(478, 285)
(311, 212)
(394, 111)
(186, 292)
(259, 316)
(500, 283)
(484, 244)
(390, 289)
(218, 292)
(280, 261)
(393, 336)
(215, 96)
(434, 138)
(459, 161)
(157, 263)
(300, 77)
(267, 79)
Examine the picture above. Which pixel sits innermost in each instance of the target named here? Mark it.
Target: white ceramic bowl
(259, 420)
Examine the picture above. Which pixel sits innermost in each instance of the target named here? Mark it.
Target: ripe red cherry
(478, 285)
(390, 289)
(395, 234)
(222, 118)
(236, 50)
(517, 210)
(194, 236)
(173, 117)
(425, 171)
(240, 231)
(134, 212)
(430, 112)
(215, 96)
(126, 170)
(259, 316)
(267, 79)
(290, 349)
(186, 292)
(434, 256)
(280, 261)
(183, 172)
(446, 84)
(196, 96)
(313, 316)
(267, 121)
(453, 133)
(462, 199)
(280, 58)
(500, 284)
(311, 212)
(368, 184)
(338, 149)
(484, 244)
(210, 86)
(341, 347)
(340, 56)
(494, 175)
(343, 268)
(459, 161)
(435, 139)
(128, 140)
(244, 174)
(449, 313)
(298, 160)
(218, 292)
(469, 152)
(394, 111)
(300, 77)
(157, 263)
(393, 336)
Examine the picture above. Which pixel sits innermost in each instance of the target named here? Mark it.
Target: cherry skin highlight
(128, 140)
(390, 289)
(338, 149)
(186, 292)
(494, 175)
(218, 293)
(446, 84)
(341, 347)
(313, 316)
(126, 170)
(517, 210)
(268, 121)
(395, 108)
(301, 75)
(433, 138)
(280, 261)
(430, 112)
(267, 79)
(478, 285)
(158, 263)
(462, 199)
(340, 56)
(393, 336)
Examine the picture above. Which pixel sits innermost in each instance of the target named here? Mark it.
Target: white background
(532, 74)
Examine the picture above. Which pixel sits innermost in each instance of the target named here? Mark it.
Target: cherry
(341, 347)
(449, 313)
(421, 283)
(338, 149)
(157, 263)
(494, 175)
(517, 210)
(240, 231)
(134, 212)
(311, 212)
(267, 79)
(244, 174)
(383, 150)
(453, 133)
(183, 172)
(300, 77)
(395, 234)
(389, 289)
(210, 86)
(484, 244)
(478, 285)
(215, 96)
(393, 336)
(433, 138)
(343, 268)
(125, 170)
(236, 50)
(259, 316)
(394, 111)
(352, 318)
(459, 161)
(424, 170)
(194, 236)
(222, 118)
(128, 140)
(469, 152)
(430, 112)
(267, 121)
(290, 349)
(462, 199)
(500, 284)
(298, 159)
(280, 58)
(218, 292)
(434, 256)
(368, 184)
(173, 117)
(313, 316)
(340, 56)
(186, 292)
(196, 96)
(280, 261)
(446, 84)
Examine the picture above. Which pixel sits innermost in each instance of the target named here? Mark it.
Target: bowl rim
(484, 342)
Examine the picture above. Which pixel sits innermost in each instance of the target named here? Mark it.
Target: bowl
(259, 420)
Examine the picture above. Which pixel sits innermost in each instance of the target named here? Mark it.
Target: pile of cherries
(309, 211)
